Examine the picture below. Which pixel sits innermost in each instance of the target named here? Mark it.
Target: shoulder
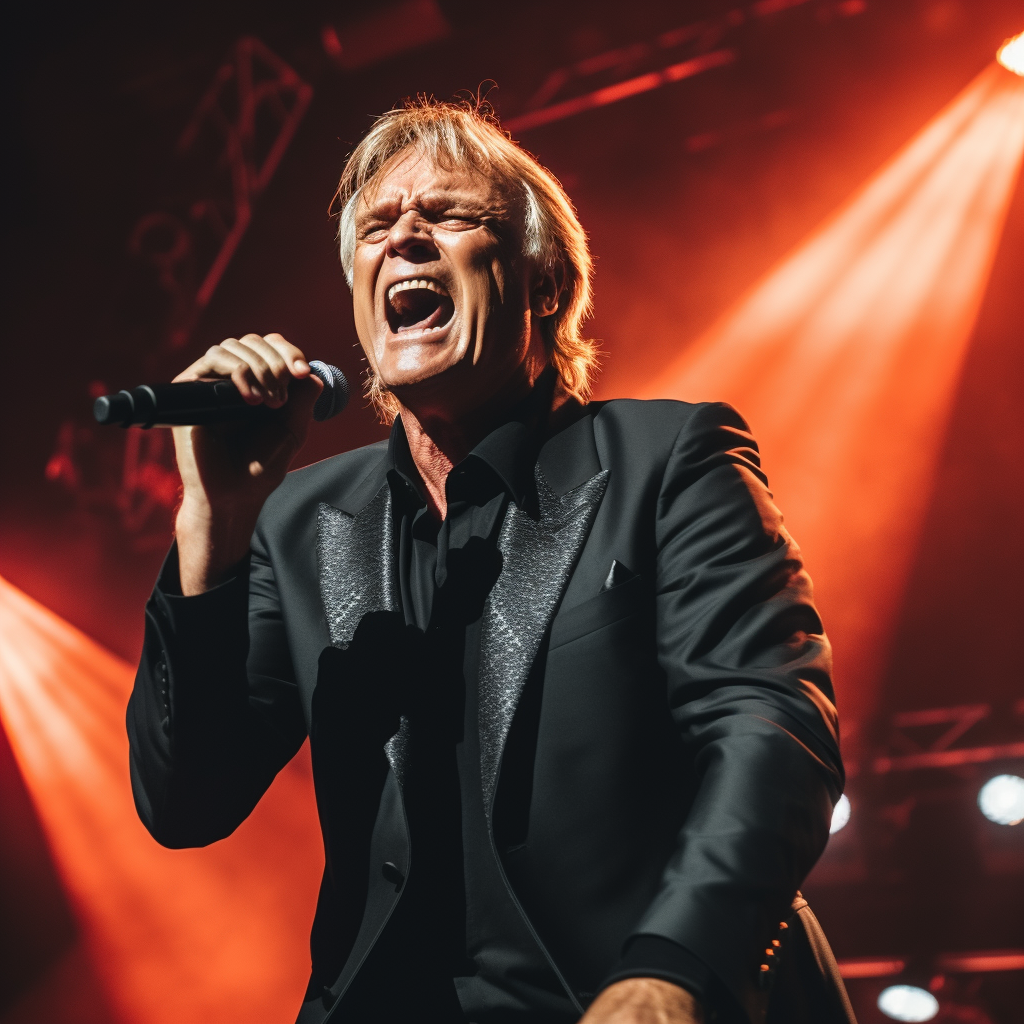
(660, 424)
(334, 480)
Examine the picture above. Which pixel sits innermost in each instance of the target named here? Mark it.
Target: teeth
(416, 282)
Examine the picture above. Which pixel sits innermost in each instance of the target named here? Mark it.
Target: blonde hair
(466, 134)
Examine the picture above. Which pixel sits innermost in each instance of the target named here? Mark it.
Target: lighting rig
(957, 756)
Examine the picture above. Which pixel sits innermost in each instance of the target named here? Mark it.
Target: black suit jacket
(676, 732)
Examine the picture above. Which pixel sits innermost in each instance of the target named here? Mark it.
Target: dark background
(690, 193)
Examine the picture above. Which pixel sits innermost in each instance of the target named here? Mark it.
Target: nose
(410, 239)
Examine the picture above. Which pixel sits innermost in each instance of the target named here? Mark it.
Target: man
(567, 695)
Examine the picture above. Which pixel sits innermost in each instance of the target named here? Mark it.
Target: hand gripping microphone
(193, 402)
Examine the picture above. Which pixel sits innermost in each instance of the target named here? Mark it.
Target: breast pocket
(607, 607)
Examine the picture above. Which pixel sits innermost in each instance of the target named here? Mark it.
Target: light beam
(845, 360)
(218, 934)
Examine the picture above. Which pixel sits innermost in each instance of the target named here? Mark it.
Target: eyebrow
(436, 199)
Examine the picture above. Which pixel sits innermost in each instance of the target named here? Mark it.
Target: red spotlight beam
(218, 934)
(846, 358)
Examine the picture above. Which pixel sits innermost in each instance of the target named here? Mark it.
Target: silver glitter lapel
(357, 576)
(537, 560)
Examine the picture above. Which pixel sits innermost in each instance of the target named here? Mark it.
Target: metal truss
(228, 154)
(700, 43)
(238, 135)
(944, 750)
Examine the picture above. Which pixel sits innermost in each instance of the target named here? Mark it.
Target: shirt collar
(509, 451)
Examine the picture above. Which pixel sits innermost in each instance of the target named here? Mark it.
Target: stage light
(1001, 800)
(176, 935)
(840, 815)
(1011, 54)
(908, 1002)
(846, 360)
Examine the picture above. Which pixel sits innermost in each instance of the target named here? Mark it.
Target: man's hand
(228, 470)
(644, 1001)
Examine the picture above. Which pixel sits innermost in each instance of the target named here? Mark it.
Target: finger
(217, 361)
(293, 356)
(255, 374)
(278, 363)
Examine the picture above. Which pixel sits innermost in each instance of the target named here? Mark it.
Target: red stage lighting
(846, 358)
(218, 934)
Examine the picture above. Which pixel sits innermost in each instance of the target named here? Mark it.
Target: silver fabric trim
(538, 557)
(356, 560)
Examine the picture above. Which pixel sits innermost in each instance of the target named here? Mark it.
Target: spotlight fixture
(1001, 799)
(908, 1002)
(1011, 54)
(840, 815)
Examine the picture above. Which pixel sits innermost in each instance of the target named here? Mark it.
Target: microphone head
(334, 396)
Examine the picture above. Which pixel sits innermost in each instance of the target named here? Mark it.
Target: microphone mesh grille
(334, 396)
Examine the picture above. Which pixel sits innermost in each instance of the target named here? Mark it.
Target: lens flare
(1011, 54)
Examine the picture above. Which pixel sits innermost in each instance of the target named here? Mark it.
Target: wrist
(211, 542)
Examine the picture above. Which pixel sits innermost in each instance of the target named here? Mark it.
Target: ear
(546, 289)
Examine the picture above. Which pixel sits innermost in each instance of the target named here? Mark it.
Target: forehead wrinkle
(443, 189)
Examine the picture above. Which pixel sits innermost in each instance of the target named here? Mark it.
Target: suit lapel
(356, 558)
(357, 564)
(538, 556)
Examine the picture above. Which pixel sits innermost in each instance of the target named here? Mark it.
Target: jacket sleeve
(214, 713)
(749, 689)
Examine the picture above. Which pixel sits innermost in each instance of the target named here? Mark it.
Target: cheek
(363, 305)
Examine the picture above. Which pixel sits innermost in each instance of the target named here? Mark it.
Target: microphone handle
(175, 405)
(209, 401)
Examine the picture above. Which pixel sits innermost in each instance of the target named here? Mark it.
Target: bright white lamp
(1002, 800)
(840, 815)
(908, 1002)
(1011, 54)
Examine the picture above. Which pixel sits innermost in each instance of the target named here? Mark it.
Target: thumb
(302, 396)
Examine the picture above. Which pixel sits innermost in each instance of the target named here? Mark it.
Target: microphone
(193, 402)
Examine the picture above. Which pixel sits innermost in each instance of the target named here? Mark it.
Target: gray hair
(466, 135)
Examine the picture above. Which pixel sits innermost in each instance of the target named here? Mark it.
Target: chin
(411, 361)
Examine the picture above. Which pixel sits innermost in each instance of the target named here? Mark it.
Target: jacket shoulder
(328, 480)
(661, 419)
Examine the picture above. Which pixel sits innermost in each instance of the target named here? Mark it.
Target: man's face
(440, 286)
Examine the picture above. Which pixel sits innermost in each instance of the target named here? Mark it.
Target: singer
(566, 690)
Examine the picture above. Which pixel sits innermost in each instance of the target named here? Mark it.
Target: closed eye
(373, 233)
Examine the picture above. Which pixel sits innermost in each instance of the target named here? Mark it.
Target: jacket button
(392, 874)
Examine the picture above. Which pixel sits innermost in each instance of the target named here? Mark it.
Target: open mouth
(419, 304)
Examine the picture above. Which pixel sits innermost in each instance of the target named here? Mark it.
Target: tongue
(415, 306)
